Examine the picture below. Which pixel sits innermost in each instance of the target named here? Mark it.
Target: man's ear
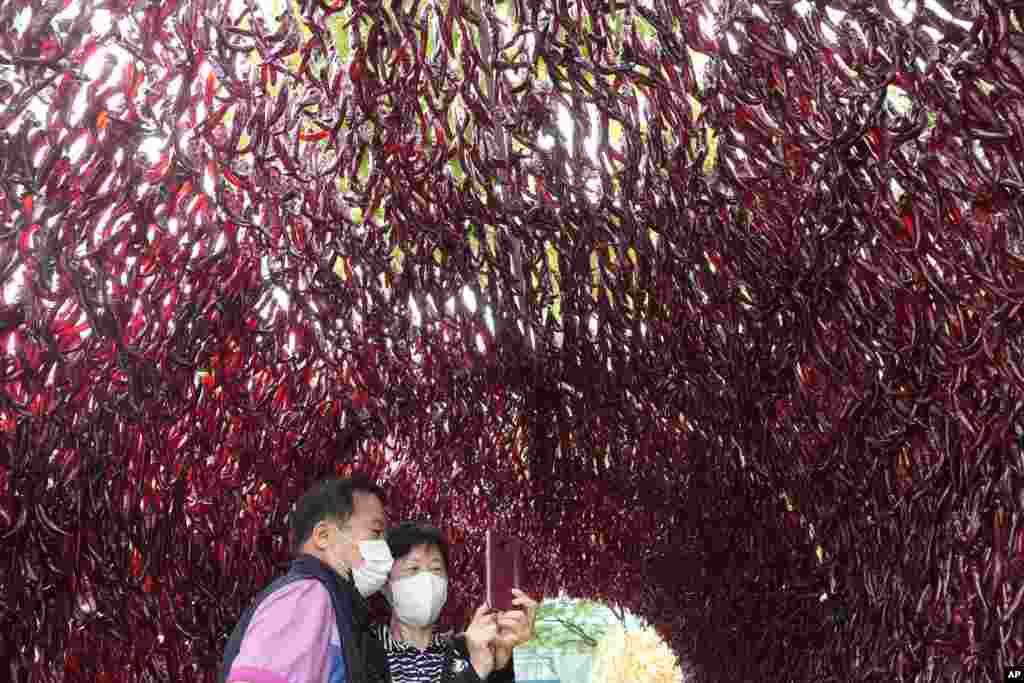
(321, 535)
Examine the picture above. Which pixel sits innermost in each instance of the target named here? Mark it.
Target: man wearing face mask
(311, 625)
(408, 647)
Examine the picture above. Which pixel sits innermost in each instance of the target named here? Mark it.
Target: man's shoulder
(307, 590)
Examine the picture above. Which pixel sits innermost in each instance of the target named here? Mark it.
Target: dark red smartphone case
(504, 570)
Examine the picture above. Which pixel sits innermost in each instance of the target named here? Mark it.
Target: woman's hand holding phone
(515, 611)
(481, 639)
(515, 627)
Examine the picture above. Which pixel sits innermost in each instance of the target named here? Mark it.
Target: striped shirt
(409, 664)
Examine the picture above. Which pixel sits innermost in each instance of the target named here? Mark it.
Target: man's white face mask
(418, 600)
(371, 576)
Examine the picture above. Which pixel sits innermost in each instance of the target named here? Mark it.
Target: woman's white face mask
(417, 600)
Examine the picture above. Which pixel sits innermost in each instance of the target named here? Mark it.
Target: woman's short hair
(408, 535)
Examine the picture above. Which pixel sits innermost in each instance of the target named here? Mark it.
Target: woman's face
(418, 586)
(422, 558)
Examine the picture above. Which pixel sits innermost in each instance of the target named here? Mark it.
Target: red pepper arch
(735, 344)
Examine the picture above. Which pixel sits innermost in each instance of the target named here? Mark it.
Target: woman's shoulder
(442, 639)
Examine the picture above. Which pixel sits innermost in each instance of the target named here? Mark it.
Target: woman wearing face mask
(417, 589)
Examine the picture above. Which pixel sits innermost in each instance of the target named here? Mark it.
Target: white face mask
(373, 574)
(418, 599)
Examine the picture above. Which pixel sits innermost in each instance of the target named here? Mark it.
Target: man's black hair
(331, 499)
(408, 535)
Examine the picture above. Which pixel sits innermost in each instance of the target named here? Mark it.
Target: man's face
(340, 543)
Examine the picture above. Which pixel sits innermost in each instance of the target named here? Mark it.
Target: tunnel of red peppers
(717, 304)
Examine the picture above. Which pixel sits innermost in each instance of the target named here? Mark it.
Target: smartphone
(504, 570)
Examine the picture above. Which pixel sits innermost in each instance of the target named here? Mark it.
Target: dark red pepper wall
(752, 369)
